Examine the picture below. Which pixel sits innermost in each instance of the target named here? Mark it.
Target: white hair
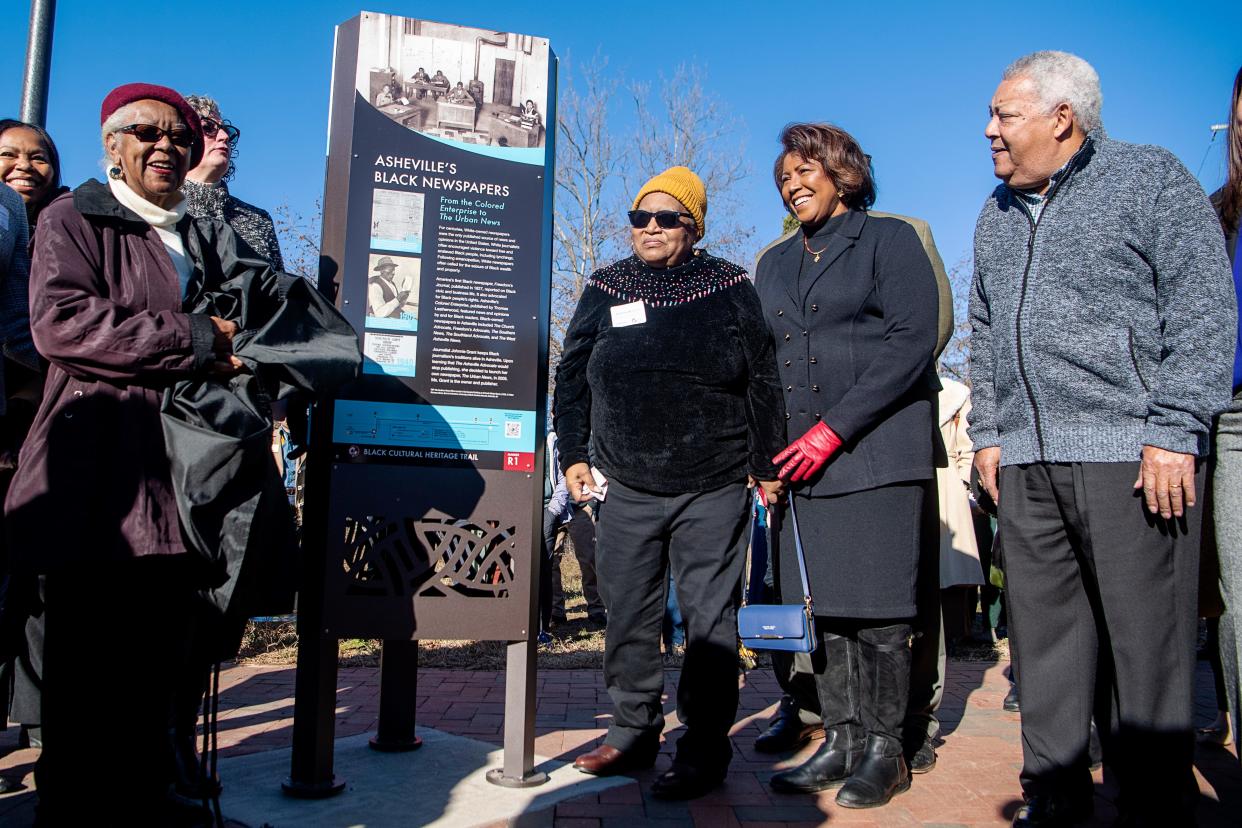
(1062, 78)
(123, 117)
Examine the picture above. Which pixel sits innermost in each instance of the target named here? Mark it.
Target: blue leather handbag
(787, 627)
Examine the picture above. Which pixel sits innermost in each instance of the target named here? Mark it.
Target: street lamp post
(38, 62)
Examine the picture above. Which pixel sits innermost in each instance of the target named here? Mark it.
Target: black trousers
(116, 642)
(1102, 601)
(551, 526)
(581, 533)
(22, 625)
(928, 662)
(702, 536)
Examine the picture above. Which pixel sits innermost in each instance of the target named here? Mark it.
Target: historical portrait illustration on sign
(392, 292)
(472, 86)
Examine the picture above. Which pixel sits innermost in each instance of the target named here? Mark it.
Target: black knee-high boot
(838, 689)
(884, 657)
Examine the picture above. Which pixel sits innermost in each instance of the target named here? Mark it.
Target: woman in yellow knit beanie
(684, 187)
(668, 374)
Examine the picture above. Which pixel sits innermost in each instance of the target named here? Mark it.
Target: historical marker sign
(424, 492)
(441, 177)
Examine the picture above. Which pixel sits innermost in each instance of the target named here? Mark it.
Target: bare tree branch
(955, 361)
(299, 239)
(681, 123)
(587, 228)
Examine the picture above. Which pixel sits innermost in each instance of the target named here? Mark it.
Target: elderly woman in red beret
(92, 508)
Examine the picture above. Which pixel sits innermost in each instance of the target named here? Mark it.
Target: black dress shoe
(787, 733)
(685, 782)
(923, 759)
(831, 765)
(1043, 811)
(881, 775)
(1011, 703)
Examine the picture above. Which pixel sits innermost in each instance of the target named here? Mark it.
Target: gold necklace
(814, 253)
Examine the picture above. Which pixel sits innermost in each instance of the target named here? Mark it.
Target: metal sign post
(424, 501)
(38, 62)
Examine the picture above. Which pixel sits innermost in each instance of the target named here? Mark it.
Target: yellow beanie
(682, 184)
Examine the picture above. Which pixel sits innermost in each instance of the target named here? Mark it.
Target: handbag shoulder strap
(749, 573)
(806, 586)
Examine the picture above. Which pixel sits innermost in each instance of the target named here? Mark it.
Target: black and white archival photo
(455, 83)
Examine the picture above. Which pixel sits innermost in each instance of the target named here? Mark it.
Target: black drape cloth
(232, 503)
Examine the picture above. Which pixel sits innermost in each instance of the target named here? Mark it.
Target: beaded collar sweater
(669, 377)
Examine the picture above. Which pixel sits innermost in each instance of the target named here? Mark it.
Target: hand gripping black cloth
(232, 503)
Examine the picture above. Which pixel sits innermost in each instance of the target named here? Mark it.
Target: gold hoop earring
(841, 194)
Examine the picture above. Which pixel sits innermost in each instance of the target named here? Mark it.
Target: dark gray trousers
(702, 537)
(1102, 599)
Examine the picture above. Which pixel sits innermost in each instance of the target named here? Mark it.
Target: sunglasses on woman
(212, 126)
(151, 134)
(665, 219)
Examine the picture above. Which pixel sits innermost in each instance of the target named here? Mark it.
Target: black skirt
(862, 550)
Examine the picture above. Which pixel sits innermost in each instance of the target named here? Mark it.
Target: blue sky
(910, 80)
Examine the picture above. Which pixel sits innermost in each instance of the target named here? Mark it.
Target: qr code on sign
(513, 429)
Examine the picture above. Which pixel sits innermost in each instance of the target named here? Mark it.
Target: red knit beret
(130, 92)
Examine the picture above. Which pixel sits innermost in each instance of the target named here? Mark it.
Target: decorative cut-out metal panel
(406, 557)
(421, 553)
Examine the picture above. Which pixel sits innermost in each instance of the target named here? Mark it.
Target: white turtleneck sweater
(163, 221)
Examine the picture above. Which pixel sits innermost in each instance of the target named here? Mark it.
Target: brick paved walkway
(975, 782)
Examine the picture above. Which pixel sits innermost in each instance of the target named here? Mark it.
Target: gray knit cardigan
(1108, 324)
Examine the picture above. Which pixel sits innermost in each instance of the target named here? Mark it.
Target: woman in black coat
(852, 303)
(668, 375)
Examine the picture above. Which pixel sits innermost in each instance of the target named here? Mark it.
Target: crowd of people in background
(1091, 469)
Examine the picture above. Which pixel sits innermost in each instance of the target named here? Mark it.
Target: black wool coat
(854, 342)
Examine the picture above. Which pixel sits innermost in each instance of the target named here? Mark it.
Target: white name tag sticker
(635, 313)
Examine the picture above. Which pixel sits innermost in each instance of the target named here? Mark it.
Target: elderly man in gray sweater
(1102, 316)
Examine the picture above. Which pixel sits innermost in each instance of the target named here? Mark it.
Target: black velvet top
(685, 401)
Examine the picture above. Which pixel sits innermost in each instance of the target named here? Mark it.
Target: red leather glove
(808, 453)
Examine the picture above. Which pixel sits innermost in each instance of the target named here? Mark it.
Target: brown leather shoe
(606, 760)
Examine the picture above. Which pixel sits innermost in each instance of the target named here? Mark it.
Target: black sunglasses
(212, 126)
(151, 134)
(666, 219)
